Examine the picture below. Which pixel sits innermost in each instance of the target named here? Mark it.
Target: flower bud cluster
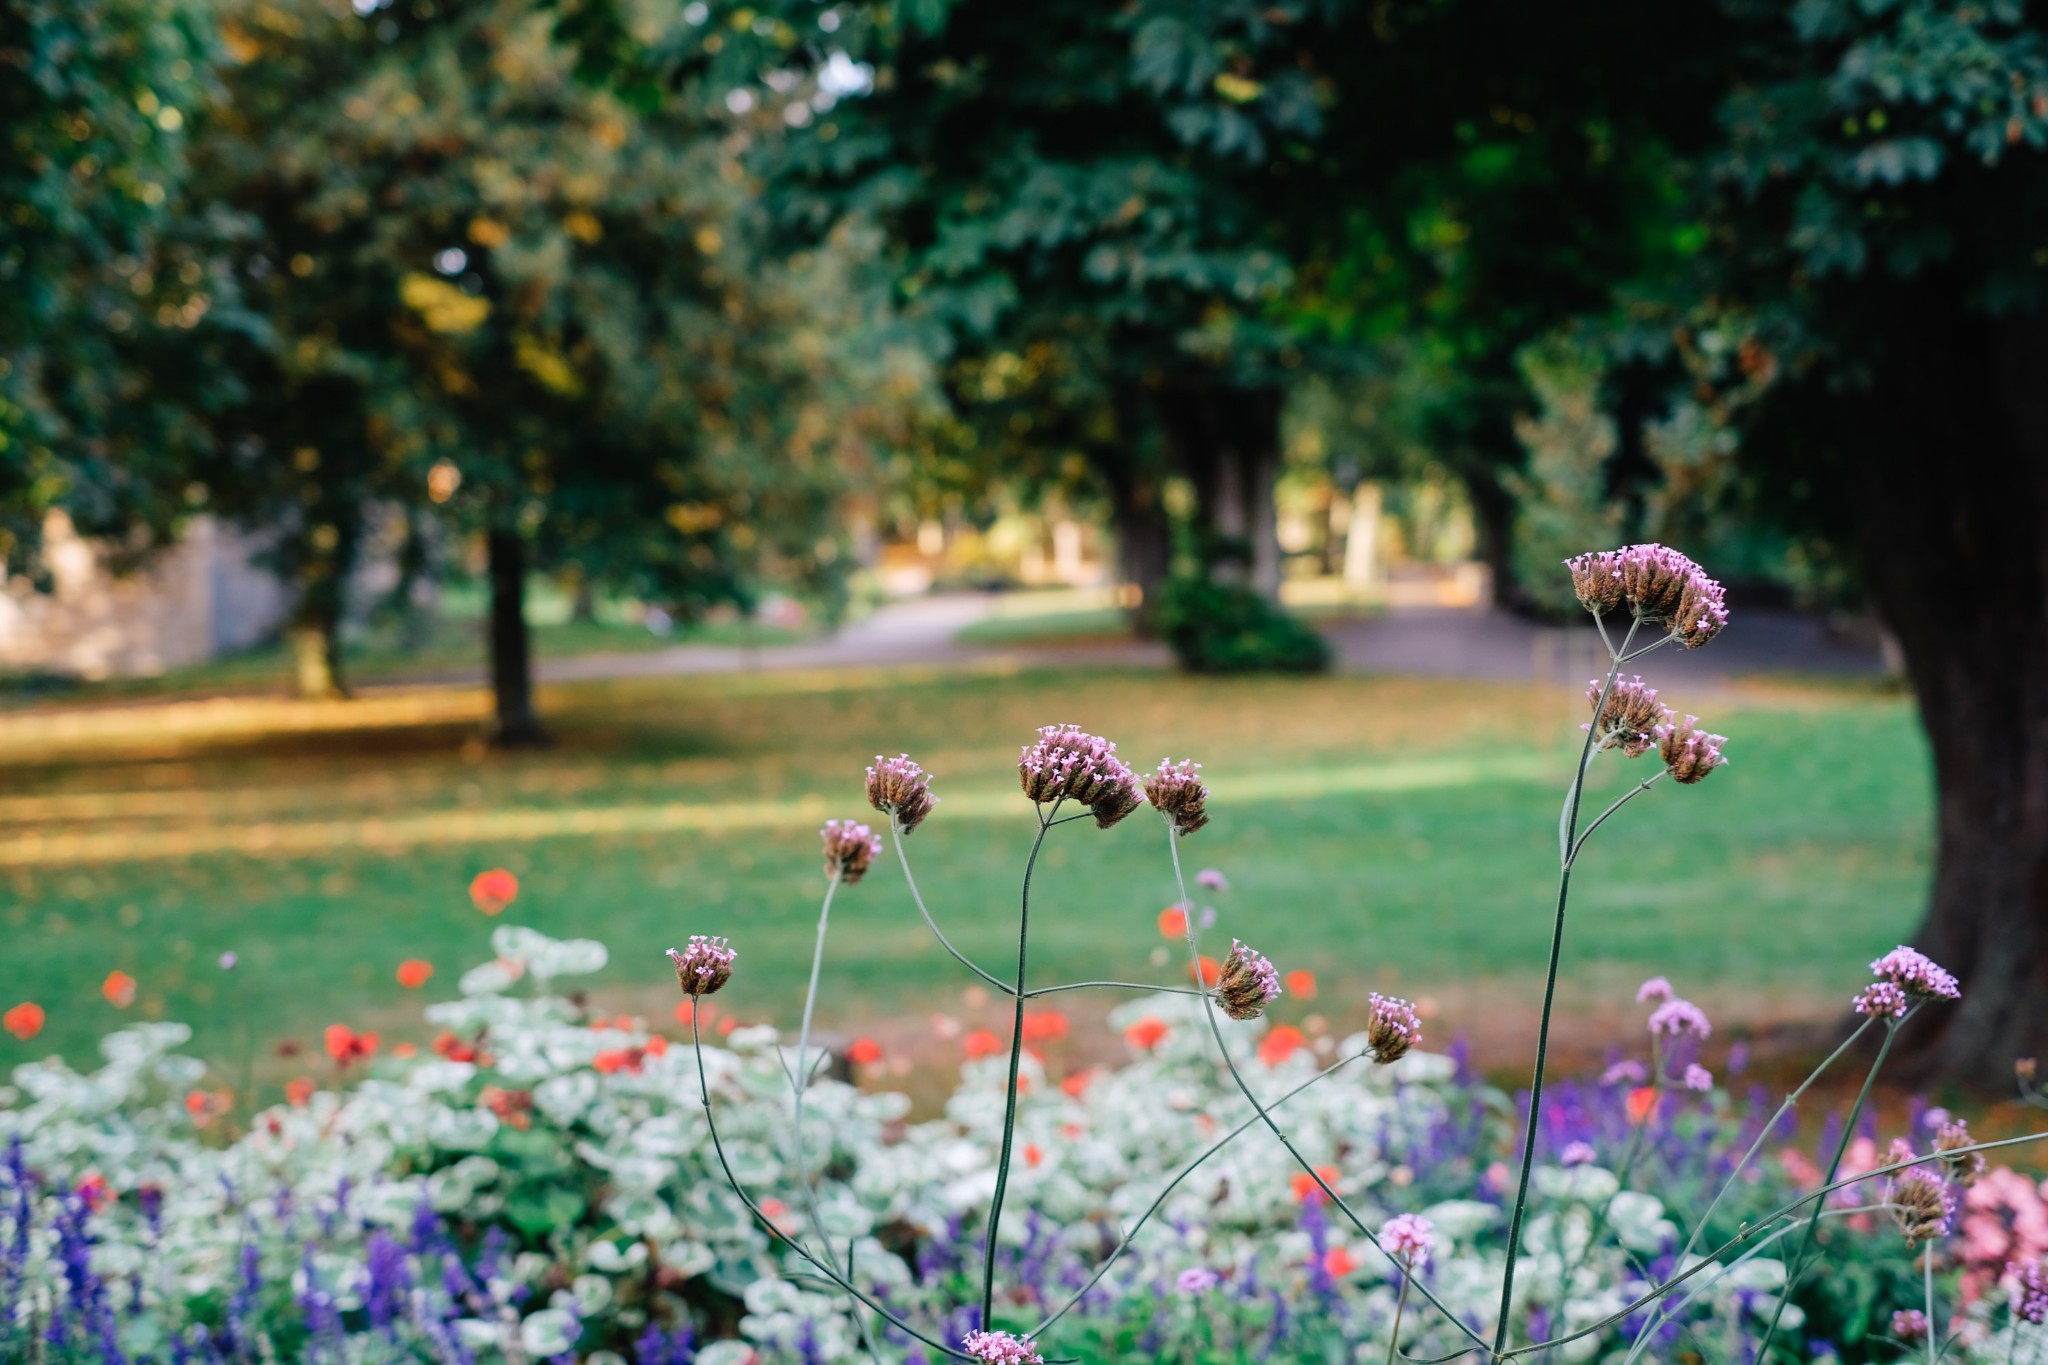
(1248, 983)
(849, 849)
(1067, 763)
(1392, 1029)
(1689, 753)
(898, 787)
(1657, 584)
(1001, 1348)
(1178, 794)
(704, 967)
(1629, 719)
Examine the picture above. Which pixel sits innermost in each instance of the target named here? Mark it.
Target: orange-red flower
(514, 1108)
(686, 1012)
(982, 1043)
(404, 1050)
(298, 1091)
(607, 1062)
(1304, 1185)
(1173, 922)
(1146, 1033)
(1212, 971)
(492, 891)
(864, 1052)
(414, 973)
(24, 1021)
(726, 1026)
(1044, 1026)
(345, 1045)
(657, 1046)
(1337, 1263)
(1280, 1043)
(92, 1187)
(1301, 982)
(1078, 1083)
(1642, 1103)
(119, 988)
(456, 1050)
(1032, 1154)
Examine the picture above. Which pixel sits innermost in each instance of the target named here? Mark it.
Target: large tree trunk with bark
(516, 725)
(1946, 467)
(1144, 533)
(1227, 442)
(316, 656)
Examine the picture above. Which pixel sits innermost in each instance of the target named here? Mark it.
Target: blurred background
(569, 438)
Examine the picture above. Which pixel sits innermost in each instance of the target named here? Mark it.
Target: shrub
(1217, 627)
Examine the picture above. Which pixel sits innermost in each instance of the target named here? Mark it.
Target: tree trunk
(1144, 535)
(1947, 470)
(316, 657)
(511, 644)
(1493, 525)
(1227, 442)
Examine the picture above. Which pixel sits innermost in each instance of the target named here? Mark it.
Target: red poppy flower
(414, 973)
(1078, 1083)
(345, 1045)
(1302, 982)
(1044, 1026)
(1304, 1185)
(1338, 1263)
(297, 1092)
(1212, 971)
(1642, 1103)
(1280, 1043)
(982, 1043)
(119, 988)
(1032, 1155)
(1146, 1033)
(492, 891)
(864, 1052)
(1173, 922)
(24, 1021)
(92, 1187)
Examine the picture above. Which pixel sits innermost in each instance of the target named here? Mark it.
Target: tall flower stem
(1797, 1269)
(1927, 1275)
(1567, 831)
(1400, 1307)
(896, 829)
(1208, 1009)
(995, 1206)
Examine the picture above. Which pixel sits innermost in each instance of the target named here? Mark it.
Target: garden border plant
(1069, 775)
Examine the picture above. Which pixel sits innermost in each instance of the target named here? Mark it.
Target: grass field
(1395, 834)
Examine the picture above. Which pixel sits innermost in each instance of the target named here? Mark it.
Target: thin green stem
(995, 1207)
(1797, 1269)
(1626, 797)
(1244, 1088)
(1111, 986)
(1400, 1307)
(1927, 1272)
(896, 828)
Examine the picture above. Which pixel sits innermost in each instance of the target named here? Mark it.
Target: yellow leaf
(1238, 89)
(442, 306)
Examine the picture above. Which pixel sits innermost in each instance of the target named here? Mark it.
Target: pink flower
(1675, 1018)
(1578, 1154)
(1001, 1348)
(849, 849)
(1197, 1280)
(1909, 1326)
(1408, 1238)
(1629, 719)
(1628, 1071)
(1916, 974)
(1176, 793)
(1881, 1001)
(1212, 879)
(2030, 1293)
(898, 787)
(1392, 1029)
(1698, 1077)
(1689, 753)
(704, 967)
(1656, 988)
(1069, 764)
(1249, 982)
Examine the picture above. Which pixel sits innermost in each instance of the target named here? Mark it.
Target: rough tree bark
(516, 724)
(1946, 473)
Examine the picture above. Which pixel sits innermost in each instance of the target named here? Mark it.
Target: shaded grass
(1776, 879)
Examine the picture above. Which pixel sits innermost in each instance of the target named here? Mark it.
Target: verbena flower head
(1001, 1348)
(1392, 1029)
(1656, 583)
(1676, 1018)
(1656, 988)
(899, 788)
(704, 967)
(1068, 763)
(1630, 718)
(1698, 1077)
(1627, 1071)
(1178, 794)
(1909, 1326)
(1965, 1167)
(849, 849)
(1922, 1205)
(1578, 1154)
(1690, 753)
(1196, 1280)
(1596, 578)
(1248, 983)
(2030, 1293)
(1408, 1238)
(1881, 1001)
(1916, 974)
(1212, 879)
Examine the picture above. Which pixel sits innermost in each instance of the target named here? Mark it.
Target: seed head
(1068, 763)
(1001, 1348)
(1966, 1166)
(849, 849)
(1921, 1204)
(1916, 974)
(898, 787)
(1176, 793)
(1248, 983)
(1676, 1018)
(704, 967)
(1689, 753)
(1630, 718)
(1392, 1029)
(1408, 1238)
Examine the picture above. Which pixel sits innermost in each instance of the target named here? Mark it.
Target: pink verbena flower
(1698, 1077)
(1660, 584)
(1675, 1018)
(899, 788)
(1392, 1028)
(1916, 974)
(1212, 879)
(1408, 1238)
(704, 967)
(1196, 1280)
(1248, 982)
(1001, 1348)
(1909, 1326)
(1630, 718)
(2030, 1293)
(1628, 1071)
(1881, 1001)
(1178, 794)
(1596, 580)
(1578, 1154)
(1656, 988)
(1922, 1204)
(1069, 764)
(1689, 753)
(849, 849)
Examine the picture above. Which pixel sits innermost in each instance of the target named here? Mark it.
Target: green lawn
(1389, 833)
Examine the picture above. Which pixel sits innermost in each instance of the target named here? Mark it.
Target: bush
(1227, 628)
